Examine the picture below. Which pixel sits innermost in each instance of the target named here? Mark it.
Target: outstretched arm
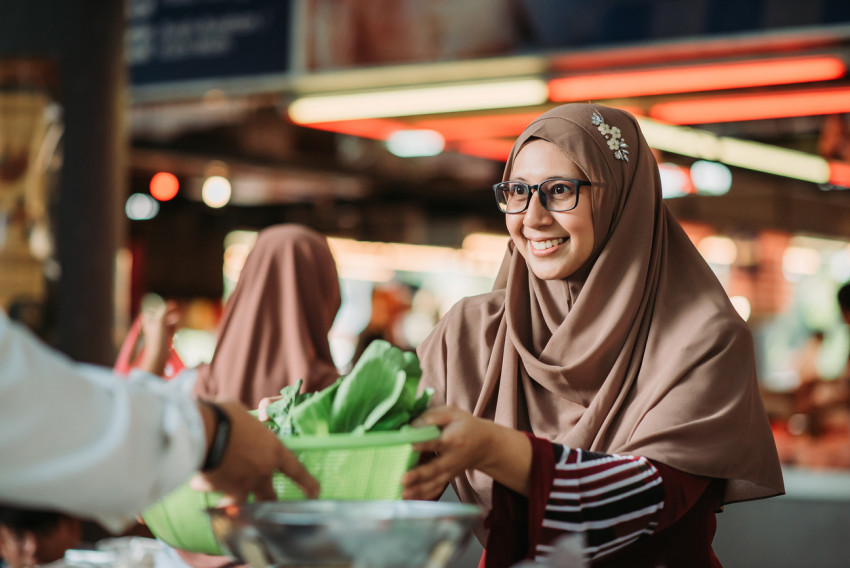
(468, 442)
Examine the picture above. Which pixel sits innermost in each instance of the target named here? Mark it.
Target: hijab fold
(639, 352)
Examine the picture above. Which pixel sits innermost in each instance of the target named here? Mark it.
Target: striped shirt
(630, 512)
(611, 500)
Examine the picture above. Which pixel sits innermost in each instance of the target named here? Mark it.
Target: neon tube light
(378, 128)
(732, 151)
(754, 107)
(707, 77)
(488, 148)
(839, 174)
(426, 100)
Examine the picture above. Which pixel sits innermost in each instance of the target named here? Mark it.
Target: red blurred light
(491, 126)
(491, 149)
(754, 107)
(706, 77)
(839, 174)
(164, 186)
(375, 128)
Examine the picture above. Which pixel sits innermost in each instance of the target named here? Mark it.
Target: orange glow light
(375, 128)
(706, 77)
(839, 174)
(164, 186)
(489, 148)
(753, 107)
(467, 127)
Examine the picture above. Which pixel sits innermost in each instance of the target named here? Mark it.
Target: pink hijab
(639, 352)
(275, 326)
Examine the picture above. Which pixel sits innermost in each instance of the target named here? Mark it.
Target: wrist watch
(220, 438)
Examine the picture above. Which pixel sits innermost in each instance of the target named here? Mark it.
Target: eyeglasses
(557, 194)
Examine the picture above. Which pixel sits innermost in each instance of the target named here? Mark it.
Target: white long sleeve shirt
(79, 439)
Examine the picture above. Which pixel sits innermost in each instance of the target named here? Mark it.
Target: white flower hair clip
(613, 135)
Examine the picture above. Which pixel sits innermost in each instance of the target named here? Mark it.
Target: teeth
(542, 245)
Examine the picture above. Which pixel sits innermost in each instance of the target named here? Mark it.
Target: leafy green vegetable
(311, 416)
(370, 389)
(279, 411)
(378, 394)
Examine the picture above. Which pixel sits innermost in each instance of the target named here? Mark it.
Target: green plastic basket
(348, 466)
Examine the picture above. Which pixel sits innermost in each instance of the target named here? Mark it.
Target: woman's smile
(546, 247)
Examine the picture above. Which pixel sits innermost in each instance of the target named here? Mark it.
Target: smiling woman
(606, 387)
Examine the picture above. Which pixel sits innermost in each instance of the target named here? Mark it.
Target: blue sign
(174, 41)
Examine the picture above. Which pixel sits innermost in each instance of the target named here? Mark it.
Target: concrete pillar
(84, 38)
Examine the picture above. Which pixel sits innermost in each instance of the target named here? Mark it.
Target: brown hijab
(275, 326)
(274, 330)
(639, 352)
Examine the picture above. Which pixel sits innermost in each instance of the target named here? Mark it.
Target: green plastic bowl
(349, 467)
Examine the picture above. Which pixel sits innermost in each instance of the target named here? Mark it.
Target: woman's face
(554, 244)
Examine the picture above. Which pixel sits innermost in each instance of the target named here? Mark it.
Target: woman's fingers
(431, 446)
(440, 416)
(262, 414)
(429, 480)
(289, 465)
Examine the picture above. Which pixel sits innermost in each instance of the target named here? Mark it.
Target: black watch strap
(220, 438)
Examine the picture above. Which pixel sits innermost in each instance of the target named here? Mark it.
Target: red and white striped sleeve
(612, 500)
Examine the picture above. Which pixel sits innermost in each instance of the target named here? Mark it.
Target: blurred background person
(31, 537)
(391, 302)
(274, 330)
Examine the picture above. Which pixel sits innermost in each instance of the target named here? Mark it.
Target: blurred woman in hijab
(275, 326)
(274, 329)
(606, 387)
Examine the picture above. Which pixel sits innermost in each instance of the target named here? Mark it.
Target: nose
(536, 214)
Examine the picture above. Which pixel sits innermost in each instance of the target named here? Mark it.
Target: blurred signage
(338, 34)
(172, 42)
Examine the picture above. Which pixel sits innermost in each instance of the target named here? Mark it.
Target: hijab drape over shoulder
(639, 352)
(275, 326)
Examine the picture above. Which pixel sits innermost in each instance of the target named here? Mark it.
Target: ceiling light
(707, 77)
(489, 126)
(773, 160)
(734, 152)
(754, 107)
(488, 148)
(415, 143)
(711, 177)
(141, 207)
(839, 174)
(674, 181)
(216, 191)
(425, 100)
(375, 128)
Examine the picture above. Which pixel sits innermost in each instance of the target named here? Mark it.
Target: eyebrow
(524, 180)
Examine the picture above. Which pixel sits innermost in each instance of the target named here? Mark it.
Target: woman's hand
(252, 456)
(264, 403)
(159, 323)
(468, 442)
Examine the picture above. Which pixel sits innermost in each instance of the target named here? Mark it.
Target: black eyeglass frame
(536, 187)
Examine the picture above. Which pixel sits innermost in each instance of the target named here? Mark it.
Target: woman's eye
(520, 190)
(560, 189)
